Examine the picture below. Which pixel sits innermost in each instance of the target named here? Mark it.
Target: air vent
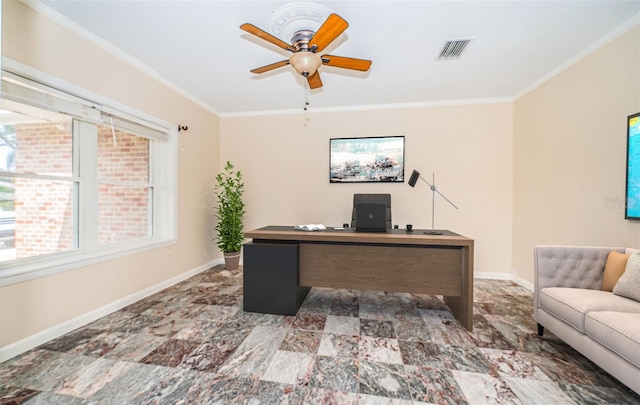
(453, 49)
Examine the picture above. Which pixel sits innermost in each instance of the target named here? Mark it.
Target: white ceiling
(198, 47)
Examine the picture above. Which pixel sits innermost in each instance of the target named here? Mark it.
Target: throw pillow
(616, 263)
(629, 283)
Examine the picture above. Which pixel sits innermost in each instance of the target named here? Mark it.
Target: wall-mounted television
(366, 160)
(632, 192)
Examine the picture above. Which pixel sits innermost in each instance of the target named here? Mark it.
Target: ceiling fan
(305, 47)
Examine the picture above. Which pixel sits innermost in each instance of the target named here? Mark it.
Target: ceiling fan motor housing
(304, 61)
(300, 40)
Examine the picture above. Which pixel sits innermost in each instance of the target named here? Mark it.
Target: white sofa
(568, 301)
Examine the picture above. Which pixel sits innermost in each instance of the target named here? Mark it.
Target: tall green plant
(229, 210)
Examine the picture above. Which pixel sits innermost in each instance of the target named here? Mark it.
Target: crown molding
(373, 107)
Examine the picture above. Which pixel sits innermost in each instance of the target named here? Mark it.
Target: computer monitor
(371, 198)
(371, 217)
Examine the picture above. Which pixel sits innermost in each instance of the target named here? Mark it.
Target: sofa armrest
(569, 266)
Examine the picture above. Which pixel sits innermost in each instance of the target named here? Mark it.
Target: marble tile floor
(193, 344)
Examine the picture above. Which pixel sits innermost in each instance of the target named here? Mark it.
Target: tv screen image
(364, 160)
(632, 206)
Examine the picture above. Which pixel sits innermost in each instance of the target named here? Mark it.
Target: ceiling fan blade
(346, 63)
(333, 26)
(314, 80)
(270, 67)
(252, 29)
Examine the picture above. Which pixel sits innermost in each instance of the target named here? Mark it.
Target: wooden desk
(397, 261)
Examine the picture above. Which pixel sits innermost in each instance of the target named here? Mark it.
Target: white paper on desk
(310, 227)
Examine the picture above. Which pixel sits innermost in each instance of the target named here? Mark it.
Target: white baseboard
(523, 283)
(28, 343)
(505, 276)
(492, 276)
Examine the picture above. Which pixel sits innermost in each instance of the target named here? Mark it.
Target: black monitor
(372, 199)
(371, 217)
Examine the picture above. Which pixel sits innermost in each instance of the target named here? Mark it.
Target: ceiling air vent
(453, 49)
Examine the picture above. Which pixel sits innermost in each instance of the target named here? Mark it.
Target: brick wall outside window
(123, 210)
(44, 208)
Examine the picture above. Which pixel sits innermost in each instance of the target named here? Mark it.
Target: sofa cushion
(618, 331)
(629, 283)
(613, 269)
(572, 304)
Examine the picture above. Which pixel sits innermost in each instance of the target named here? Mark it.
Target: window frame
(163, 156)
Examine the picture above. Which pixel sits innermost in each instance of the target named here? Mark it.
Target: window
(80, 181)
(124, 194)
(37, 182)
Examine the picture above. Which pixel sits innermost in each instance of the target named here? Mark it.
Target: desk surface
(394, 236)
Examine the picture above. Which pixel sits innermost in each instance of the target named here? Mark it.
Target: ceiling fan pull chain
(306, 95)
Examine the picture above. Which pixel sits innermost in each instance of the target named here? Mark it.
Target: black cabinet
(270, 279)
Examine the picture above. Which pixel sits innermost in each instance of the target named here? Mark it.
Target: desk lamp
(412, 182)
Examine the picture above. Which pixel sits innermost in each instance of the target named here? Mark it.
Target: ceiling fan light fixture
(306, 60)
(305, 63)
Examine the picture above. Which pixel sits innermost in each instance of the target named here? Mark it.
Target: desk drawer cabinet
(270, 279)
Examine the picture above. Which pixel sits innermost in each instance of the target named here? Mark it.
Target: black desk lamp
(412, 182)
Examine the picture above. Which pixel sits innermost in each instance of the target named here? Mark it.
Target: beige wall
(285, 161)
(31, 307)
(569, 154)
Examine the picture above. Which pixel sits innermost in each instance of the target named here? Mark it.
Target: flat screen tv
(632, 196)
(366, 160)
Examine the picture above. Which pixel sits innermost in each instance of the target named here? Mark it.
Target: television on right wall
(632, 195)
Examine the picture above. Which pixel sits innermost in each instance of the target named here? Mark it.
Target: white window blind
(26, 91)
(46, 98)
(134, 125)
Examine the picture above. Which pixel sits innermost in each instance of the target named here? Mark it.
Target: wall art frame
(376, 159)
(632, 189)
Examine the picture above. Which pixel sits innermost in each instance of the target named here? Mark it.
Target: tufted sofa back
(570, 266)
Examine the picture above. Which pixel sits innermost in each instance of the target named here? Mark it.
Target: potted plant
(229, 214)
